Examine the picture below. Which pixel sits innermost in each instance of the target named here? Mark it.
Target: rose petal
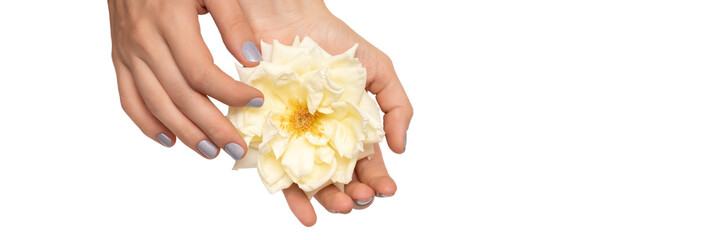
(318, 178)
(352, 80)
(344, 170)
(266, 51)
(272, 173)
(324, 154)
(299, 157)
(249, 161)
(374, 130)
(318, 140)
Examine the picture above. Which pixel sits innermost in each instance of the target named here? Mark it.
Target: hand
(166, 73)
(282, 21)
(369, 180)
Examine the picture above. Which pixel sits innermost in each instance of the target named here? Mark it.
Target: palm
(328, 31)
(371, 177)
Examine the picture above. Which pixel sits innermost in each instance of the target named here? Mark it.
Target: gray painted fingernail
(207, 148)
(360, 203)
(234, 150)
(164, 139)
(382, 195)
(405, 140)
(250, 51)
(255, 102)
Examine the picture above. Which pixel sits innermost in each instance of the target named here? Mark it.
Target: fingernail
(255, 102)
(359, 203)
(234, 150)
(250, 51)
(164, 139)
(405, 140)
(207, 148)
(382, 195)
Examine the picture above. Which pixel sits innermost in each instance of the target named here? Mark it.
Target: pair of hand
(166, 73)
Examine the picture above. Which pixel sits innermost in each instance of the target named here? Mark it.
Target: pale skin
(166, 75)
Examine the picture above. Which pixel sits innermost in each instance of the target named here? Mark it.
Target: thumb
(235, 30)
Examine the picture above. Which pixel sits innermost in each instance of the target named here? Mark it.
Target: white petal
(345, 131)
(325, 110)
(320, 177)
(249, 161)
(299, 157)
(345, 128)
(332, 91)
(282, 54)
(318, 140)
(368, 151)
(352, 80)
(340, 186)
(244, 73)
(266, 51)
(344, 170)
(313, 84)
(351, 51)
(324, 154)
(272, 173)
(248, 123)
(307, 42)
(374, 130)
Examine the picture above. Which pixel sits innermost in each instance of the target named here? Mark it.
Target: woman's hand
(282, 20)
(370, 179)
(166, 73)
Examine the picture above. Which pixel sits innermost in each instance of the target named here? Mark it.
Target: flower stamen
(299, 120)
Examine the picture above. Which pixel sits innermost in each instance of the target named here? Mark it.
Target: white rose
(317, 119)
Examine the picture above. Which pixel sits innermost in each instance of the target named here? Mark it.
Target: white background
(534, 120)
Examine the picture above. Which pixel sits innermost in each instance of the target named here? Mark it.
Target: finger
(394, 102)
(300, 205)
(189, 52)
(161, 106)
(334, 200)
(133, 105)
(373, 173)
(361, 193)
(235, 30)
(197, 107)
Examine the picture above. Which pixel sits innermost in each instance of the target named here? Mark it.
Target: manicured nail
(382, 195)
(234, 150)
(405, 140)
(255, 102)
(207, 148)
(250, 51)
(359, 203)
(164, 139)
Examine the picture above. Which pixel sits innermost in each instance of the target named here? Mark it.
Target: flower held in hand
(317, 120)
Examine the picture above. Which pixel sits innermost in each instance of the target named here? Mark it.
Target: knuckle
(155, 104)
(127, 105)
(384, 61)
(182, 97)
(138, 34)
(198, 76)
(187, 133)
(217, 131)
(139, 37)
(236, 22)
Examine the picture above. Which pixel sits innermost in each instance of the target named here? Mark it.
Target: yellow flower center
(299, 120)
